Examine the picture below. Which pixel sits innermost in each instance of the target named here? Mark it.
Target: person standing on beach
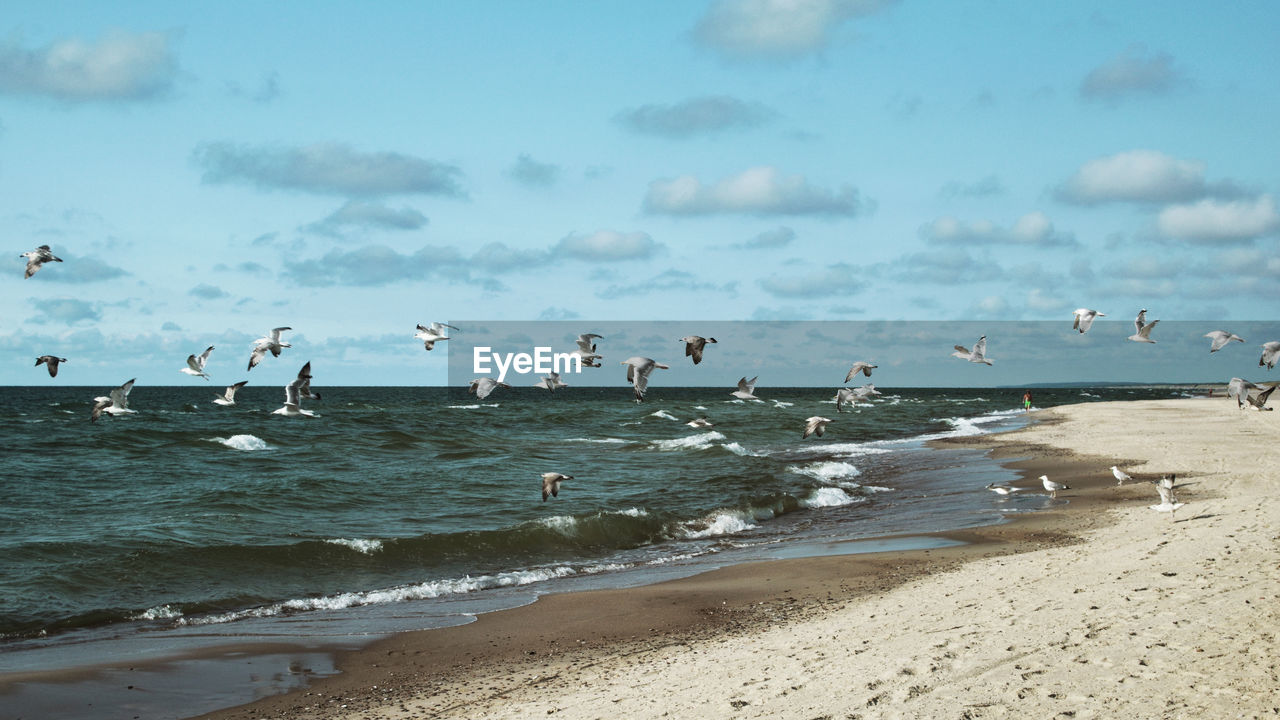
(1026, 401)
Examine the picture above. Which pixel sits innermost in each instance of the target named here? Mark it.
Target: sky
(209, 172)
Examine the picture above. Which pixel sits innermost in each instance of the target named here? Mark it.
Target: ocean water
(417, 507)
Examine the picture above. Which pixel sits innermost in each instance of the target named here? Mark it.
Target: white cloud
(775, 238)
(839, 279)
(695, 116)
(1032, 229)
(530, 172)
(362, 214)
(1134, 71)
(1135, 176)
(777, 29)
(120, 66)
(1214, 221)
(948, 266)
(608, 246)
(328, 168)
(757, 191)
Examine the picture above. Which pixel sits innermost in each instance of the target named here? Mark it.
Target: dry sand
(1100, 609)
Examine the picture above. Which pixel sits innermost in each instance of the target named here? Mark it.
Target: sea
(186, 525)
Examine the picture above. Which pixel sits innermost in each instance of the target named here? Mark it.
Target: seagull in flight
(587, 350)
(860, 367)
(228, 396)
(693, 345)
(551, 382)
(268, 343)
(115, 402)
(294, 392)
(195, 365)
(977, 355)
(845, 396)
(1143, 328)
(483, 386)
(746, 389)
(1270, 353)
(432, 334)
(1120, 475)
(814, 426)
(51, 361)
(551, 484)
(36, 258)
(1084, 319)
(638, 369)
(1220, 339)
(1053, 487)
(1246, 392)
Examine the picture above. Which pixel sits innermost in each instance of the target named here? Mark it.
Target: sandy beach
(1098, 608)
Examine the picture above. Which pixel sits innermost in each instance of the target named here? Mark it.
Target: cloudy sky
(208, 172)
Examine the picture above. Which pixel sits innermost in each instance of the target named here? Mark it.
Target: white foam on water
(243, 442)
(360, 545)
(721, 523)
(563, 524)
(701, 441)
(163, 612)
(596, 440)
(663, 414)
(830, 497)
(826, 471)
(473, 407)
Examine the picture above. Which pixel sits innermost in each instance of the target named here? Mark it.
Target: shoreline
(563, 633)
(1044, 586)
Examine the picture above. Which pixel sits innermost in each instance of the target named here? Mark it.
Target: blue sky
(208, 172)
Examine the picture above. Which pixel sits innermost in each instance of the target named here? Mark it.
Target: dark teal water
(186, 514)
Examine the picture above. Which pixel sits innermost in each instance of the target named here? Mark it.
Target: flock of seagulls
(1164, 486)
(1247, 394)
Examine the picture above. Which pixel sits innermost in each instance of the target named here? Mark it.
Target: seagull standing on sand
(295, 391)
(268, 343)
(36, 258)
(1168, 503)
(228, 396)
(746, 389)
(1220, 339)
(638, 369)
(551, 484)
(481, 387)
(977, 355)
(1053, 487)
(432, 334)
(1120, 475)
(551, 382)
(195, 365)
(860, 367)
(115, 402)
(814, 426)
(1084, 319)
(1270, 353)
(1004, 490)
(587, 350)
(693, 345)
(52, 362)
(1143, 328)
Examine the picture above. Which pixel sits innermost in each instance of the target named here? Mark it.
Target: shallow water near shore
(188, 526)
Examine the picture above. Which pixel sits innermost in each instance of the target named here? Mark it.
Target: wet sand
(1097, 608)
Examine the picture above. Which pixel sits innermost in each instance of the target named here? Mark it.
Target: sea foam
(244, 442)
